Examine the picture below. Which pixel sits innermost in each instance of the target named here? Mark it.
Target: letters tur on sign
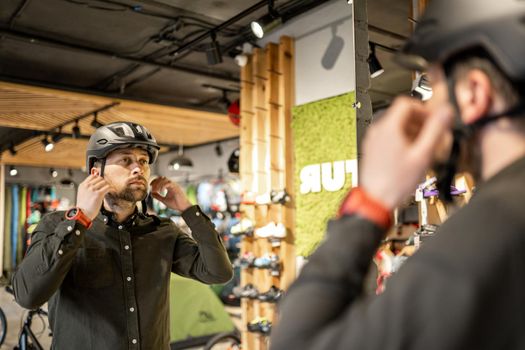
(328, 176)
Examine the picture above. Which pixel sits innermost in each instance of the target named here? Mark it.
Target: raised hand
(90, 194)
(175, 198)
(400, 147)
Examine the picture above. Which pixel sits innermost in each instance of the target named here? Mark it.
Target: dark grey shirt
(108, 287)
(464, 289)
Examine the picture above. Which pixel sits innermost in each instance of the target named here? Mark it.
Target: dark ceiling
(143, 50)
(156, 50)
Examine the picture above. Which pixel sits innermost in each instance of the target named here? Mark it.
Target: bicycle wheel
(3, 327)
(224, 341)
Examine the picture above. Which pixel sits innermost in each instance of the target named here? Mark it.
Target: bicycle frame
(27, 334)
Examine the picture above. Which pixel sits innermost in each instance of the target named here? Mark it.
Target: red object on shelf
(234, 112)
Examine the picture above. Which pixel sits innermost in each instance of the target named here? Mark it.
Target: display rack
(266, 164)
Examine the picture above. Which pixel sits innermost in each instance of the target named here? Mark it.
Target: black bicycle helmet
(449, 27)
(118, 135)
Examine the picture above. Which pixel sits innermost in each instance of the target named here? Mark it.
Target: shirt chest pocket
(93, 268)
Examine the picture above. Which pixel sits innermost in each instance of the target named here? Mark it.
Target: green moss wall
(323, 131)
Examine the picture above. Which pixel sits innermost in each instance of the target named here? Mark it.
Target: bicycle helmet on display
(119, 135)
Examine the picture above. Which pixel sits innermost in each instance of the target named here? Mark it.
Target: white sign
(328, 176)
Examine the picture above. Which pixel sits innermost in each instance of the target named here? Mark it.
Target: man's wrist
(78, 215)
(359, 202)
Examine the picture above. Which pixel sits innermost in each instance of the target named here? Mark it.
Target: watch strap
(78, 215)
(358, 202)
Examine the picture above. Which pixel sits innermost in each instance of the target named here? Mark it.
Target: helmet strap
(518, 111)
(102, 166)
(446, 171)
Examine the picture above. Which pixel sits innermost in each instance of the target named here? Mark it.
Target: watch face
(72, 212)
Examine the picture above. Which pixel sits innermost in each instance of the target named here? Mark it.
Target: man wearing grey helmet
(104, 266)
(464, 289)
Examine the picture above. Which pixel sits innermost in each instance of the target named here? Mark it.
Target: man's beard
(128, 195)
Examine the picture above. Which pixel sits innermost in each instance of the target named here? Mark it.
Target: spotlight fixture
(57, 136)
(241, 59)
(75, 132)
(13, 171)
(48, 146)
(53, 172)
(180, 162)
(12, 149)
(373, 63)
(213, 52)
(95, 123)
(218, 149)
(267, 23)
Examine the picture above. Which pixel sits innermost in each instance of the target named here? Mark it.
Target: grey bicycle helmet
(449, 27)
(118, 135)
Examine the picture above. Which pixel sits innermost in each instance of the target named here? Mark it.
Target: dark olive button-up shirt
(108, 287)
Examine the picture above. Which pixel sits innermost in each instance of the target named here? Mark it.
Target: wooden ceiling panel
(43, 109)
(68, 153)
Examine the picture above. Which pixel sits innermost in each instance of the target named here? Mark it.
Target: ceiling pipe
(31, 38)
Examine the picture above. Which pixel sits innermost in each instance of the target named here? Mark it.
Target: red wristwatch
(359, 202)
(77, 214)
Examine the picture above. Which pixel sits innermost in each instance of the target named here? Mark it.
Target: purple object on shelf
(434, 192)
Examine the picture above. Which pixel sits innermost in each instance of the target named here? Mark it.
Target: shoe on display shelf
(266, 261)
(247, 260)
(263, 199)
(244, 227)
(260, 325)
(248, 198)
(280, 197)
(271, 230)
(272, 295)
(275, 268)
(248, 291)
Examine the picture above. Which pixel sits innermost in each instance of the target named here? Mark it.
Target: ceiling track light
(75, 132)
(213, 52)
(57, 136)
(376, 69)
(13, 171)
(268, 23)
(95, 123)
(180, 162)
(53, 172)
(218, 149)
(48, 146)
(12, 149)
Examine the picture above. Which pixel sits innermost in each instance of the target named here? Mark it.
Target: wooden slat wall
(267, 164)
(43, 109)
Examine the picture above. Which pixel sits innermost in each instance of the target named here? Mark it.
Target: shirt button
(131, 309)
(77, 232)
(60, 252)
(134, 341)
(70, 228)
(105, 219)
(126, 247)
(120, 227)
(128, 279)
(198, 214)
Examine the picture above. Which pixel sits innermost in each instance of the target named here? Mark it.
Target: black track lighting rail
(218, 28)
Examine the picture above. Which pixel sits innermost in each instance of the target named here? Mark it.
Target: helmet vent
(102, 141)
(119, 131)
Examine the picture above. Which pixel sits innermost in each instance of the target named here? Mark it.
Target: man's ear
(474, 96)
(95, 171)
